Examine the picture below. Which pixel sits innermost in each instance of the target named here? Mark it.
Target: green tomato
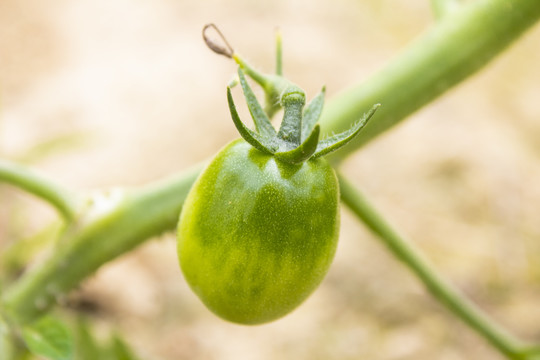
(259, 228)
(257, 235)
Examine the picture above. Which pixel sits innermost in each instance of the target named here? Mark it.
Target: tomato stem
(443, 291)
(452, 50)
(262, 79)
(456, 47)
(138, 216)
(292, 101)
(29, 180)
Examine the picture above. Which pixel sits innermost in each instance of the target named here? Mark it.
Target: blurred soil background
(133, 95)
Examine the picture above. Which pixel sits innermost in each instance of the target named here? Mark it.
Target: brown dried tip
(222, 49)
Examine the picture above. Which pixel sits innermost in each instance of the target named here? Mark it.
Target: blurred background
(102, 93)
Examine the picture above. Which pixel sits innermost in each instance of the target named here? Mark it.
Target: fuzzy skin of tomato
(257, 235)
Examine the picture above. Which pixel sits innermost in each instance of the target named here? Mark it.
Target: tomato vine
(457, 46)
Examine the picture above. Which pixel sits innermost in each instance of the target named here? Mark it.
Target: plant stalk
(452, 50)
(132, 218)
(27, 179)
(443, 291)
(457, 46)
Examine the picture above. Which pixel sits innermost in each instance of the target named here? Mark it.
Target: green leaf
(336, 142)
(262, 123)
(49, 338)
(312, 113)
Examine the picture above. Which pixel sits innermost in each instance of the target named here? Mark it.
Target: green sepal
(261, 121)
(335, 142)
(302, 152)
(312, 113)
(297, 139)
(250, 136)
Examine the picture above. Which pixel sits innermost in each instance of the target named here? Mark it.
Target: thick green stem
(63, 200)
(457, 46)
(123, 221)
(448, 295)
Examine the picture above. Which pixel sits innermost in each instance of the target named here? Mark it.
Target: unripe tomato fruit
(257, 235)
(259, 227)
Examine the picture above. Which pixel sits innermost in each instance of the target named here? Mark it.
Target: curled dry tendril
(224, 49)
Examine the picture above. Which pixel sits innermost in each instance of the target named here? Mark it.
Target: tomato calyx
(298, 137)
